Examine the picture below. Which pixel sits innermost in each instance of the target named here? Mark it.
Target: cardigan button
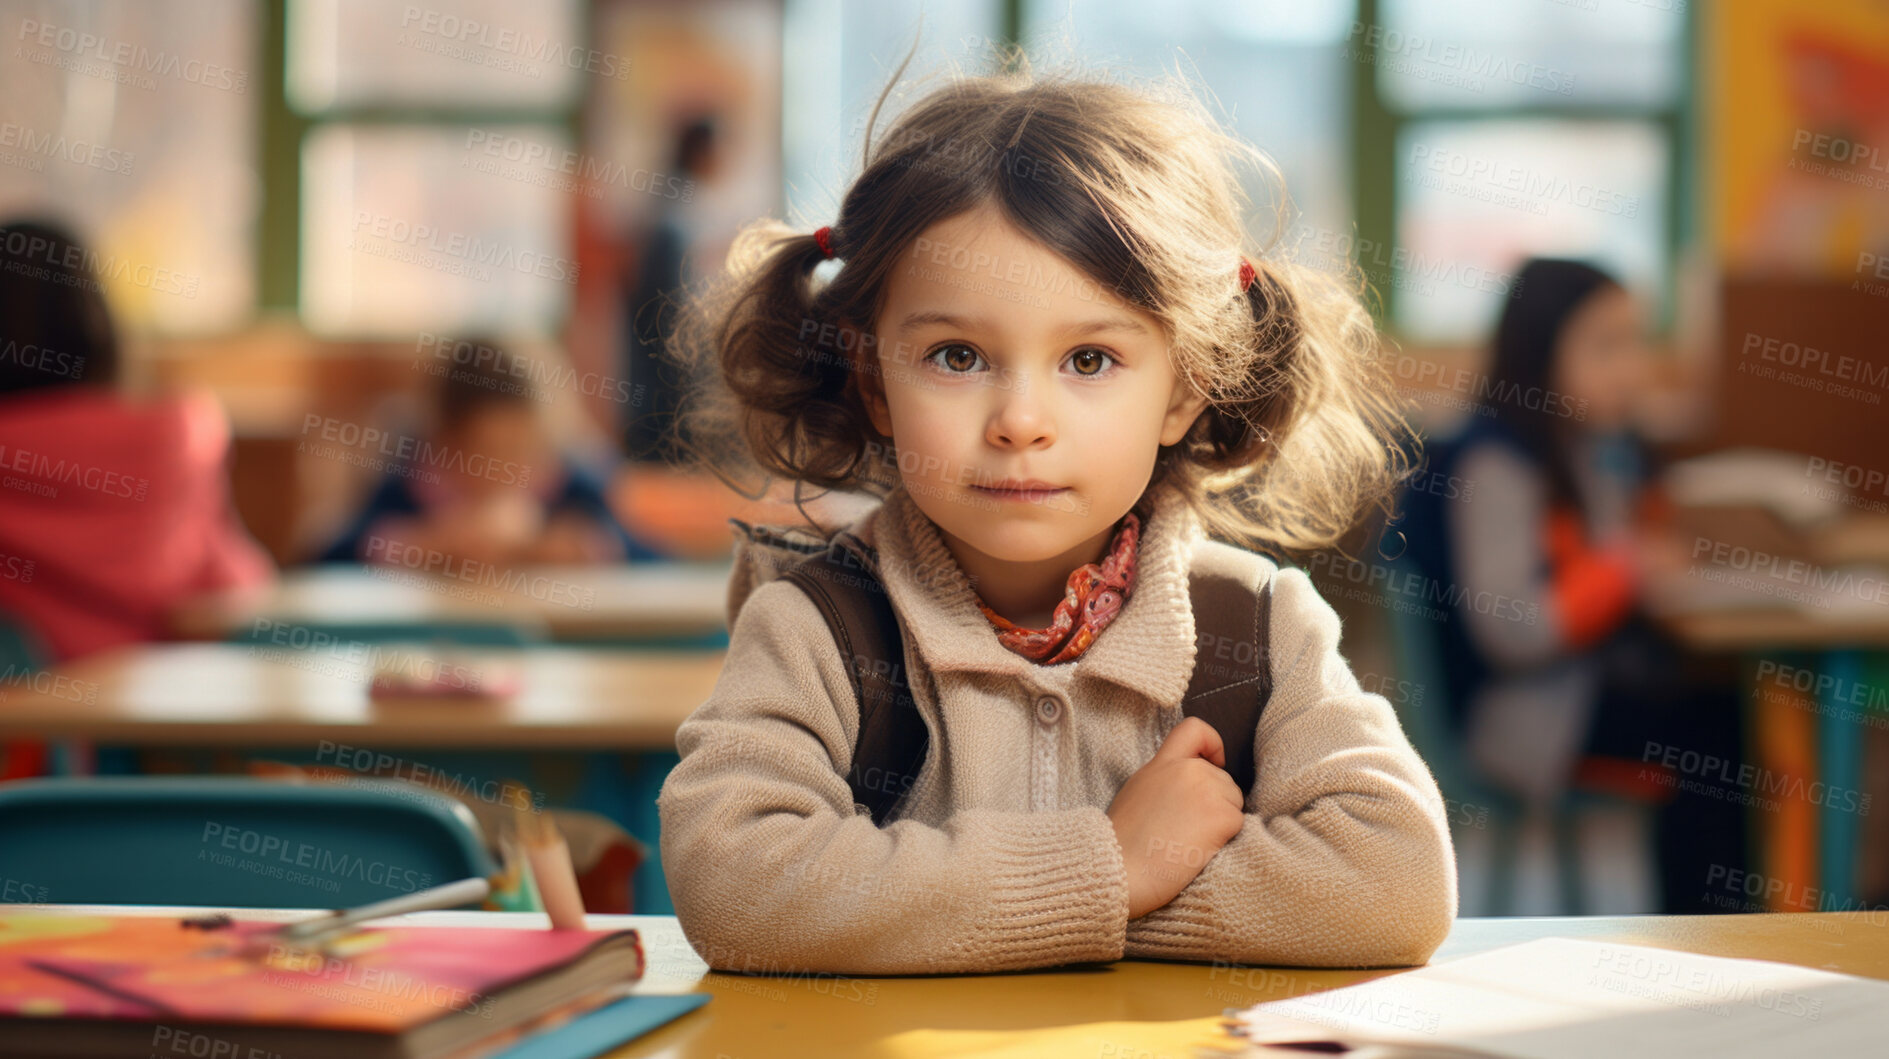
(1048, 710)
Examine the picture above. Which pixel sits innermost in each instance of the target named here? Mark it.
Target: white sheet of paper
(1560, 998)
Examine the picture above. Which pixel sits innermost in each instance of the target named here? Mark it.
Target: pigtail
(775, 392)
(1310, 433)
(1239, 425)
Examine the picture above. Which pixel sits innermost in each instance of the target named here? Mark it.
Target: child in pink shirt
(113, 511)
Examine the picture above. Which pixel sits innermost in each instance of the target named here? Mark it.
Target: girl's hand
(1174, 814)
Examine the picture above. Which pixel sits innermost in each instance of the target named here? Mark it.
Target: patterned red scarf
(1092, 597)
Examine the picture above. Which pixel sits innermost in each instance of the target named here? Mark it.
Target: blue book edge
(614, 1024)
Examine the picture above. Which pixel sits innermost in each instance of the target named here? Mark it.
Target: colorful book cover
(378, 980)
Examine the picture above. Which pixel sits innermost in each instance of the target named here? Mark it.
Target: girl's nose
(1020, 422)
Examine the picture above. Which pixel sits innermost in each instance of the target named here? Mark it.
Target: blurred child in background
(114, 512)
(488, 484)
(1559, 514)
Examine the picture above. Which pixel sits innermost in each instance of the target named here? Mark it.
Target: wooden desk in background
(231, 695)
(566, 603)
(1132, 1008)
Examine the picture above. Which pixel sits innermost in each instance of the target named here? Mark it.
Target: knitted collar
(1151, 646)
(1092, 596)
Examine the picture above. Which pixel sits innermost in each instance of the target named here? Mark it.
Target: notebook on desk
(92, 985)
(1565, 998)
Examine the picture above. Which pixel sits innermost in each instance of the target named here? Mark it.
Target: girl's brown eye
(1089, 359)
(958, 358)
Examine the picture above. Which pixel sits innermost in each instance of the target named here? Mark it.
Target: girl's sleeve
(771, 870)
(1344, 859)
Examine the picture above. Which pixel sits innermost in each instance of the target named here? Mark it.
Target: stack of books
(74, 984)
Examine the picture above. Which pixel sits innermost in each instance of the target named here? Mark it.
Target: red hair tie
(822, 236)
(1246, 274)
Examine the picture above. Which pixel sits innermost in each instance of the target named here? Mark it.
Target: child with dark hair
(487, 484)
(1561, 520)
(117, 507)
(1036, 329)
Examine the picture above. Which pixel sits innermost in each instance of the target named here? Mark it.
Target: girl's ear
(1183, 408)
(865, 364)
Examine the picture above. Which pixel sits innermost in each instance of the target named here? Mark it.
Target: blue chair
(21, 655)
(20, 650)
(231, 842)
(1417, 647)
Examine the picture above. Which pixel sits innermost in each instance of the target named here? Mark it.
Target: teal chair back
(231, 842)
(498, 633)
(20, 651)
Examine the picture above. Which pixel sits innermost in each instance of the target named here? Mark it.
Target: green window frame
(284, 130)
(1376, 126)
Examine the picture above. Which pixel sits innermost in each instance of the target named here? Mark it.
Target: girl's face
(1026, 403)
(1601, 361)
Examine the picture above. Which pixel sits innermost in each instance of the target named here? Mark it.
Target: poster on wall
(1799, 96)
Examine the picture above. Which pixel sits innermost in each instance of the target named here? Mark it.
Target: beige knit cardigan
(1002, 856)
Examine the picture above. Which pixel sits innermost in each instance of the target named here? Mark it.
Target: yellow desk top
(230, 694)
(1138, 1009)
(1133, 1009)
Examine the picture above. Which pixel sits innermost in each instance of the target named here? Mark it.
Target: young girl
(1042, 344)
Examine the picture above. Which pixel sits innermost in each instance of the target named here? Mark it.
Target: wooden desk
(567, 603)
(226, 694)
(1132, 1009)
(1143, 1008)
(1777, 627)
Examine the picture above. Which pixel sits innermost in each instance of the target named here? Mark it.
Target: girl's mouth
(1029, 494)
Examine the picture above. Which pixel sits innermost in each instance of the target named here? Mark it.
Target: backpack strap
(843, 582)
(1232, 663)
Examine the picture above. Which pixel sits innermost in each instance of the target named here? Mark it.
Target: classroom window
(837, 57)
(1277, 75)
(1476, 197)
(415, 227)
(1520, 130)
(135, 125)
(1491, 54)
(433, 190)
(463, 53)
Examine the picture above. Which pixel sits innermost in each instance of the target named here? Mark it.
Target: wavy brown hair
(1138, 189)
